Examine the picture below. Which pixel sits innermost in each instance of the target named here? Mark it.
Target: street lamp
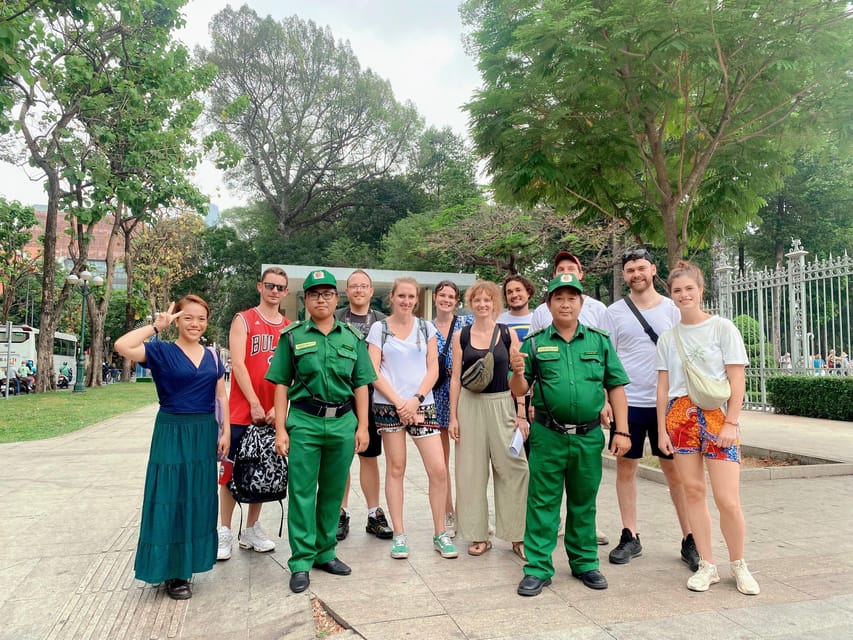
(82, 285)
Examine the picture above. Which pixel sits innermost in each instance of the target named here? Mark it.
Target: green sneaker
(400, 547)
(444, 545)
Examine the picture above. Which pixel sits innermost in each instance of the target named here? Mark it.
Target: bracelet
(621, 433)
(156, 330)
(734, 424)
(521, 418)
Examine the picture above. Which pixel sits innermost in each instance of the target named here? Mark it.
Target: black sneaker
(343, 526)
(689, 554)
(629, 547)
(378, 526)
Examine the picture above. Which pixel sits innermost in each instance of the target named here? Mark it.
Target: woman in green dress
(177, 535)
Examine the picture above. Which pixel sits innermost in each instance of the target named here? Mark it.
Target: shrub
(752, 339)
(829, 397)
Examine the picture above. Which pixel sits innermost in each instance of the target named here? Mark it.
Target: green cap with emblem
(318, 278)
(565, 280)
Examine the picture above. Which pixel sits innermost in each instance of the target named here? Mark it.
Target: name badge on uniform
(305, 345)
(547, 349)
(348, 347)
(590, 353)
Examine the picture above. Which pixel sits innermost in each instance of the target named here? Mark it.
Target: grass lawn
(46, 415)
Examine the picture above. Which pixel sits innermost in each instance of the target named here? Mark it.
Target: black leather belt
(323, 410)
(559, 427)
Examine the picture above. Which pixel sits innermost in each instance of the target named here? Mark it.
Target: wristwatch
(419, 397)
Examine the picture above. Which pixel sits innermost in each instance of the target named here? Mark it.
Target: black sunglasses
(269, 286)
(636, 254)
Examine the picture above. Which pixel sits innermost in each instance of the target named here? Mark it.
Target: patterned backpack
(260, 474)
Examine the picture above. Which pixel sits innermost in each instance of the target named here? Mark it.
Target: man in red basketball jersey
(253, 338)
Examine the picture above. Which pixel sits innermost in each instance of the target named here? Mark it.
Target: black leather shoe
(335, 567)
(343, 526)
(179, 589)
(593, 579)
(532, 586)
(299, 581)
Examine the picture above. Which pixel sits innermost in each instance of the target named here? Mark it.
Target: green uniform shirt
(574, 374)
(331, 366)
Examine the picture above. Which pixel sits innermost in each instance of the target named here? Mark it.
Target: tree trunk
(127, 226)
(48, 321)
(675, 244)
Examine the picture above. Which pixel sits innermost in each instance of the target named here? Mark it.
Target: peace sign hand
(163, 320)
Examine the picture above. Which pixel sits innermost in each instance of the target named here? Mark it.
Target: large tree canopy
(313, 125)
(676, 117)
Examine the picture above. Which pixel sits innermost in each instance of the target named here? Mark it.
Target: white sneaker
(704, 577)
(746, 584)
(450, 524)
(256, 538)
(223, 548)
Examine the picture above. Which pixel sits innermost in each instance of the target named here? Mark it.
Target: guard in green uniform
(572, 366)
(322, 368)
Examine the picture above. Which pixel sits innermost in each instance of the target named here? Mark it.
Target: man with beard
(635, 344)
(517, 293)
(361, 316)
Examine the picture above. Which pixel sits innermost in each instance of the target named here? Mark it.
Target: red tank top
(261, 340)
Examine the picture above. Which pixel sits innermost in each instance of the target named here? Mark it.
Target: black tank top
(501, 354)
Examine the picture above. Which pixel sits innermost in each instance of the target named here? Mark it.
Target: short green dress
(177, 535)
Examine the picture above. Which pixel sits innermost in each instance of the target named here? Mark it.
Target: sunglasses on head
(636, 254)
(269, 286)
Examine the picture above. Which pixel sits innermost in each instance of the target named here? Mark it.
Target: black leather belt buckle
(571, 429)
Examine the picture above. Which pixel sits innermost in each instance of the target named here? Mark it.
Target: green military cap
(319, 277)
(565, 280)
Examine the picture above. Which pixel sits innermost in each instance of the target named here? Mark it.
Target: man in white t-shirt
(592, 311)
(591, 314)
(517, 293)
(636, 346)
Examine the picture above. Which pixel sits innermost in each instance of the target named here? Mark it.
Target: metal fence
(794, 319)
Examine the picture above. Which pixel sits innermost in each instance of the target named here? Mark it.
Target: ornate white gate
(795, 318)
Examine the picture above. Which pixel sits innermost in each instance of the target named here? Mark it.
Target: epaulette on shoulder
(606, 334)
(291, 327)
(535, 333)
(354, 329)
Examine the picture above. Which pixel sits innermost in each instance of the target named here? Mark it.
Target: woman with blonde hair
(702, 438)
(177, 536)
(482, 423)
(404, 354)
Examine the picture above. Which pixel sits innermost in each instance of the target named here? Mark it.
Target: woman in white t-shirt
(715, 347)
(404, 354)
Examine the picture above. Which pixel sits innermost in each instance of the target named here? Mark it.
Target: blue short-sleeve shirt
(181, 386)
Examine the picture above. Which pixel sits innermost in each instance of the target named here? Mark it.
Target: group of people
(353, 381)
(22, 377)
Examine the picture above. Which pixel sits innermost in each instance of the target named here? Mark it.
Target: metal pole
(8, 354)
(79, 387)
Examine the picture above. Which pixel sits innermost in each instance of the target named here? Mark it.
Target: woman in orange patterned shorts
(703, 437)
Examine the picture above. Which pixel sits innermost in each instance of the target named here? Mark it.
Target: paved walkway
(70, 510)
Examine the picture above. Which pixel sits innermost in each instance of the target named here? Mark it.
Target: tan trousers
(486, 426)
